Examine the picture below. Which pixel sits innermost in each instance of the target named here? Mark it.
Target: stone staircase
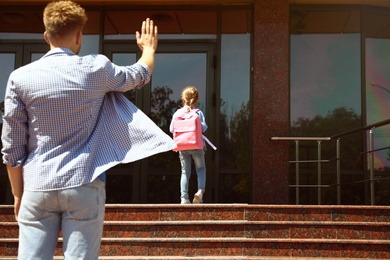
(232, 231)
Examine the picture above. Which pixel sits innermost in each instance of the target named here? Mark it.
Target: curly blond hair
(190, 96)
(63, 17)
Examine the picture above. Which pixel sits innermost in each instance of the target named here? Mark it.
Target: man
(53, 112)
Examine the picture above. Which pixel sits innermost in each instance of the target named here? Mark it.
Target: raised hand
(148, 36)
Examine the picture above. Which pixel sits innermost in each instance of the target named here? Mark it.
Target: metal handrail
(319, 161)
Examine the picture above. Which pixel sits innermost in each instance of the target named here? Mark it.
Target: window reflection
(325, 68)
(377, 71)
(235, 109)
(90, 45)
(325, 98)
(7, 65)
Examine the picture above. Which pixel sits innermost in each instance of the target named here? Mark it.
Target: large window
(235, 113)
(325, 91)
(340, 81)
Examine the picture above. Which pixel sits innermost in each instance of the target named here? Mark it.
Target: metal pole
(319, 172)
(372, 182)
(338, 172)
(297, 172)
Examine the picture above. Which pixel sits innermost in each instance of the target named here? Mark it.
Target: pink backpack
(187, 131)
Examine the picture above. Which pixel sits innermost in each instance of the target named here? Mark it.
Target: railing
(370, 151)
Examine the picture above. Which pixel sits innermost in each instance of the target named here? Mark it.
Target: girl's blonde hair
(63, 17)
(190, 96)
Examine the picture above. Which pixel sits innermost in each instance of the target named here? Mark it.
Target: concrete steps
(232, 231)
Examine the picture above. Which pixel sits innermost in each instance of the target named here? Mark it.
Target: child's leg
(185, 161)
(198, 157)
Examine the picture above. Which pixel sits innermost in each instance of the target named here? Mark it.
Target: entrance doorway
(157, 178)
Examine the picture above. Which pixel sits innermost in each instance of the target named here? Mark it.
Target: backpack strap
(209, 142)
(184, 112)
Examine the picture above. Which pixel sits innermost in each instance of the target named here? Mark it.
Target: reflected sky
(378, 94)
(7, 63)
(178, 70)
(325, 74)
(235, 70)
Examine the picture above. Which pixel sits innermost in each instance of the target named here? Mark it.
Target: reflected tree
(335, 122)
(234, 134)
(161, 111)
(234, 137)
(162, 107)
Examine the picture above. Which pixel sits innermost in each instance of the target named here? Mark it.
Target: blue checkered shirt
(53, 107)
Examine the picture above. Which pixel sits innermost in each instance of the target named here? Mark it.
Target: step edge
(231, 239)
(230, 222)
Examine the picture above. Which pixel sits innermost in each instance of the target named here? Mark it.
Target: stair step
(232, 231)
(233, 247)
(250, 229)
(202, 258)
(172, 212)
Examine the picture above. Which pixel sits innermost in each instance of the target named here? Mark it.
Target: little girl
(190, 98)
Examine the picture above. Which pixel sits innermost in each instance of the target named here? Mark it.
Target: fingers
(143, 27)
(148, 27)
(151, 27)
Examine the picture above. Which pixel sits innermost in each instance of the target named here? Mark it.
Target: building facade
(264, 69)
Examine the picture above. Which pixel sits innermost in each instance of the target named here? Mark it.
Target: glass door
(157, 178)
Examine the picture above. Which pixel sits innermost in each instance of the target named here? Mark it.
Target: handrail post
(319, 172)
(372, 181)
(338, 173)
(297, 172)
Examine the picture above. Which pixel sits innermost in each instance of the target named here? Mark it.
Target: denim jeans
(77, 212)
(185, 159)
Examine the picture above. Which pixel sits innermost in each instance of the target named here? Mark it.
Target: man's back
(58, 100)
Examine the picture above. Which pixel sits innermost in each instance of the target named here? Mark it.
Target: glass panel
(21, 36)
(166, 188)
(119, 187)
(90, 45)
(234, 129)
(235, 109)
(175, 71)
(325, 68)
(325, 97)
(234, 188)
(36, 56)
(378, 95)
(7, 65)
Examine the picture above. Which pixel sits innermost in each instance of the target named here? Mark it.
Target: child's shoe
(185, 201)
(198, 197)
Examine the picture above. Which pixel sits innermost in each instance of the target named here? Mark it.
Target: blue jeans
(77, 212)
(200, 166)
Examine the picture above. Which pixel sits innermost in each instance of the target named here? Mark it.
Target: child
(190, 98)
